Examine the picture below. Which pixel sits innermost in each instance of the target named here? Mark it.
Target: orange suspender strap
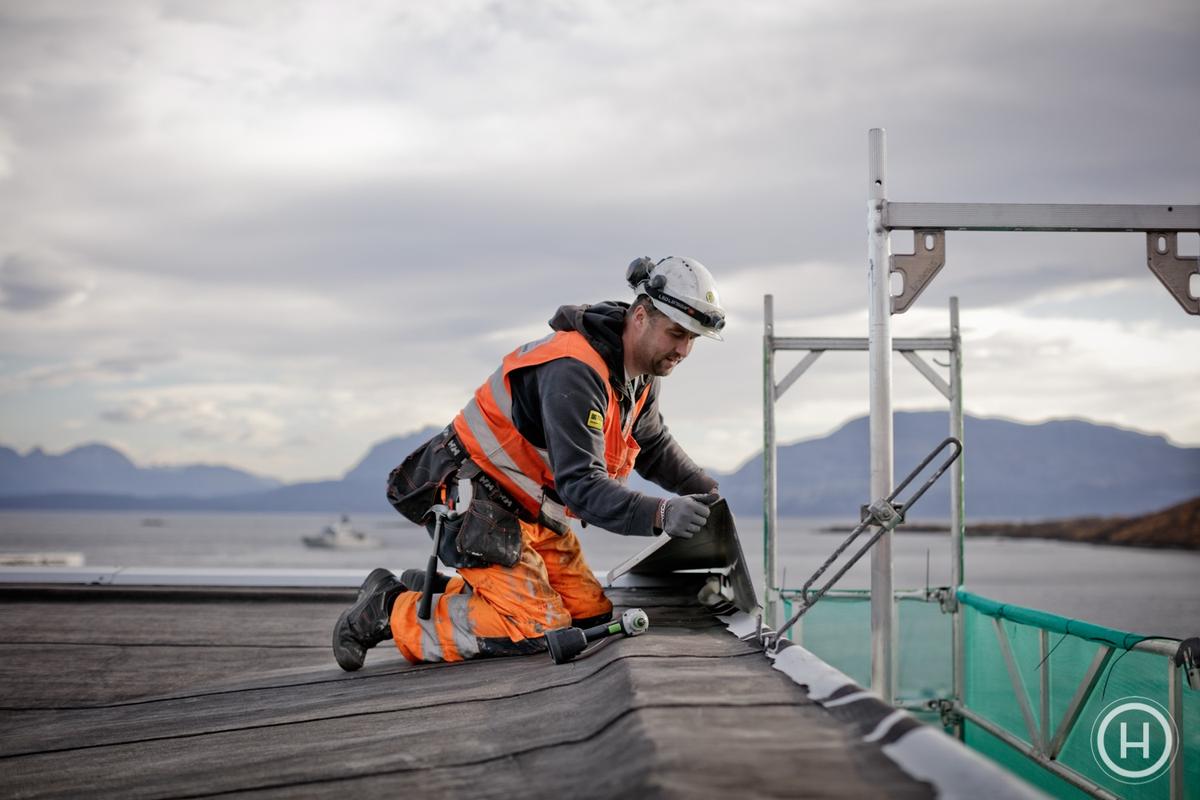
(620, 449)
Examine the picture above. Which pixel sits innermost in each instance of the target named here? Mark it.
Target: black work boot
(367, 622)
(414, 580)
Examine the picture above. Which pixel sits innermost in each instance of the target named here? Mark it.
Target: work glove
(700, 483)
(682, 517)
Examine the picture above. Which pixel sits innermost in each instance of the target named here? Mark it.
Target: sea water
(1133, 589)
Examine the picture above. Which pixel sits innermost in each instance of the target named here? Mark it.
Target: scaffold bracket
(918, 268)
(1173, 270)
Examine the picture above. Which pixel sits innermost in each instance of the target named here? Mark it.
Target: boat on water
(340, 536)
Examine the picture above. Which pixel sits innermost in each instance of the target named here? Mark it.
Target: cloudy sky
(271, 234)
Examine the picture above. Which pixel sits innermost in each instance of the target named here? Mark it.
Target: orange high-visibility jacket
(486, 428)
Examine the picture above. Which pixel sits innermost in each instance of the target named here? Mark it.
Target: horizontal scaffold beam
(853, 343)
(1039, 217)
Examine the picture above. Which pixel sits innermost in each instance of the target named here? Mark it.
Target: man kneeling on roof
(551, 435)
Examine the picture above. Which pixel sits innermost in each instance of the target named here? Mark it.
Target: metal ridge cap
(921, 751)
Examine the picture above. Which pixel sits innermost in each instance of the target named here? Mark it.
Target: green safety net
(1072, 647)
(838, 629)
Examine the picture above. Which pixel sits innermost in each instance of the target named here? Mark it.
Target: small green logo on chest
(595, 420)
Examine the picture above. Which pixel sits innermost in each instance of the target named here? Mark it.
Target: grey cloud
(213, 12)
(140, 410)
(208, 433)
(121, 416)
(68, 373)
(553, 143)
(770, 137)
(988, 270)
(32, 284)
(132, 365)
(169, 412)
(300, 441)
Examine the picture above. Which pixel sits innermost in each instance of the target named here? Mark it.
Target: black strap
(490, 486)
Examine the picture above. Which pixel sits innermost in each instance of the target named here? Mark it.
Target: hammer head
(460, 495)
(440, 510)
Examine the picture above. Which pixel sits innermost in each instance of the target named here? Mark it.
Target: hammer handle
(431, 570)
(427, 590)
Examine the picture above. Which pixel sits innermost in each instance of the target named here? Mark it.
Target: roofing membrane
(126, 692)
(151, 691)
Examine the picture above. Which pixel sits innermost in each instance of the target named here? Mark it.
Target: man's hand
(683, 517)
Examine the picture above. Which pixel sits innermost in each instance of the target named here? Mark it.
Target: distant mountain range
(99, 469)
(1014, 471)
(79, 479)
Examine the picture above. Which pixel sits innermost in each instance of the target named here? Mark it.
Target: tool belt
(487, 533)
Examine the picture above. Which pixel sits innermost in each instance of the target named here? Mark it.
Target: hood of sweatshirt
(601, 324)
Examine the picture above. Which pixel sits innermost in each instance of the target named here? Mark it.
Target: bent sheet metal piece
(715, 549)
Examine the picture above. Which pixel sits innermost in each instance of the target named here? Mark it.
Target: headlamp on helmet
(682, 289)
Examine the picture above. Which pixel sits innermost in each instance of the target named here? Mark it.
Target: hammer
(441, 513)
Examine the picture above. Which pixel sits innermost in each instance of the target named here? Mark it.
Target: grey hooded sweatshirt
(551, 403)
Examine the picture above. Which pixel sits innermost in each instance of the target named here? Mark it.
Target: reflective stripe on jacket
(485, 427)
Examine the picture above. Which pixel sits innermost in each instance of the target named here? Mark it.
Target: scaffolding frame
(951, 389)
(929, 222)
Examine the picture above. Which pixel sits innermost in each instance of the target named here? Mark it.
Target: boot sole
(347, 657)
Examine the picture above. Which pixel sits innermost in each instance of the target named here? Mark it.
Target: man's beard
(663, 366)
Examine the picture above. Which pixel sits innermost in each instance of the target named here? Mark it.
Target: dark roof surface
(147, 693)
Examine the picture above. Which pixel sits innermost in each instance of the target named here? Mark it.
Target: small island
(1175, 528)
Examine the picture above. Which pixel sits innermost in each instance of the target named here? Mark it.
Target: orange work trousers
(497, 610)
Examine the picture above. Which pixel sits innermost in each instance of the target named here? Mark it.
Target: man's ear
(638, 315)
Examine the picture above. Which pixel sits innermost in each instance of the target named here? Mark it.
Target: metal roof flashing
(715, 550)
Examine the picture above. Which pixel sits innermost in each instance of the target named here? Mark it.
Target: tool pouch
(416, 485)
(487, 533)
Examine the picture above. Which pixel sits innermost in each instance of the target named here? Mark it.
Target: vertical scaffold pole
(880, 353)
(770, 532)
(957, 506)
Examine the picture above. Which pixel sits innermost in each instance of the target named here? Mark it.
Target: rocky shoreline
(1175, 528)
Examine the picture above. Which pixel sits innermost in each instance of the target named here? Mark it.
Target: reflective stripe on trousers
(549, 586)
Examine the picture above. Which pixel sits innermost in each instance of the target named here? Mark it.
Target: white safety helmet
(683, 289)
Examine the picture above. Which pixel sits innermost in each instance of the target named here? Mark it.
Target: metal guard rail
(886, 513)
(1044, 744)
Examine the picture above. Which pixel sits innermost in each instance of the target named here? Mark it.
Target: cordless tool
(566, 643)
